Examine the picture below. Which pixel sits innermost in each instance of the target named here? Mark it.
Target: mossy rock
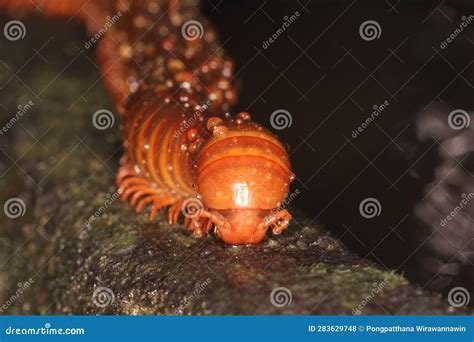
(63, 168)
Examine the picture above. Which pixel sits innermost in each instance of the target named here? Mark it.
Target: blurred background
(377, 98)
(322, 71)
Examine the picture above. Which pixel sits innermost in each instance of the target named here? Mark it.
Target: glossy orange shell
(174, 90)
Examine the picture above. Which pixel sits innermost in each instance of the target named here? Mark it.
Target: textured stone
(66, 175)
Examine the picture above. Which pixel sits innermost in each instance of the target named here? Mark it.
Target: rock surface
(62, 168)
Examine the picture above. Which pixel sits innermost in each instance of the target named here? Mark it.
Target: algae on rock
(116, 262)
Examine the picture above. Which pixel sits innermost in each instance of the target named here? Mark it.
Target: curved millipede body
(173, 86)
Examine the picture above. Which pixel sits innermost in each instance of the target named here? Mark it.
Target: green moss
(151, 267)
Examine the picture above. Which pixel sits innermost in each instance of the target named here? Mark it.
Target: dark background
(328, 78)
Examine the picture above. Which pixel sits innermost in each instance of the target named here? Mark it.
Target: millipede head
(243, 176)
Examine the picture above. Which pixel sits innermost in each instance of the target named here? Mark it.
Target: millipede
(173, 87)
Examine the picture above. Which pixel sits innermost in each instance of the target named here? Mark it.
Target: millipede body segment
(172, 83)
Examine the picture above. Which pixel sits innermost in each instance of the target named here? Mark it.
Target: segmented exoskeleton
(172, 84)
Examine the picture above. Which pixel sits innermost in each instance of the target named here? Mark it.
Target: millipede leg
(174, 211)
(130, 185)
(206, 219)
(279, 220)
(208, 226)
(162, 203)
(144, 190)
(140, 191)
(145, 201)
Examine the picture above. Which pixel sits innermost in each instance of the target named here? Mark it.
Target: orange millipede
(164, 67)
